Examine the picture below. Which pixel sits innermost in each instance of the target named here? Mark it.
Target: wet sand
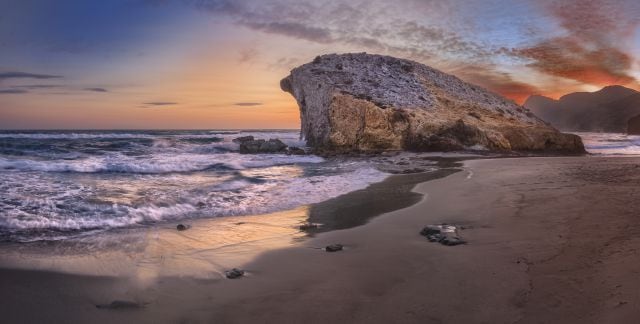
(551, 240)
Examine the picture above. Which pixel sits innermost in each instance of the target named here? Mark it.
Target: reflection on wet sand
(145, 255)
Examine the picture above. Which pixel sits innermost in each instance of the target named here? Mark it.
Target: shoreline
(356, 208)
(538, 251)
(216, 244)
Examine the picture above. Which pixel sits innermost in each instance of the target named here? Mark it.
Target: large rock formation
(606, 110)
(363, 102)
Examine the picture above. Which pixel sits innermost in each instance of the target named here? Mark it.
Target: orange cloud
(568, 58)
(501, 83)
(592, 51)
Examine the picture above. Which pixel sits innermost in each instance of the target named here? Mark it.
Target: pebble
(120, 304)
(333, 248)
(234, 273)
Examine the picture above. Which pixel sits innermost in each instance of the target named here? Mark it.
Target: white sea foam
(71, 207)
(611, 143)
(66, 184)
(157, 163)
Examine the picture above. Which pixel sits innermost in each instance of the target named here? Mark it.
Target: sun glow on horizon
(171, 64)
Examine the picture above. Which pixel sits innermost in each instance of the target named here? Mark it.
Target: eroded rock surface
(364, 102)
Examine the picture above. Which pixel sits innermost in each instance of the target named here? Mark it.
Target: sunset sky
(130, 64)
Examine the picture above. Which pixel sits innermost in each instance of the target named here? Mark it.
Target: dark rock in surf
(292, 150)
(181, 227)
(273, 146)
(243, 139)
(262, 146)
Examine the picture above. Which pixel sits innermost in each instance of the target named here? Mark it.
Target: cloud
(96, 89)
(498, 82)
(592, 51)
(373, 26)
(24, 75)
(12, 91)
(570, 42)
(247, 55)
(248, 104)
(569, 58)
(285, 63)
(160, 103)
(38, 86)
(295, 30)
(20, 89)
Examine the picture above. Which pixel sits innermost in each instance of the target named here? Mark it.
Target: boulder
(243, 139)
(292, 150)
(363, 102)
(248, 145)
(273, 146)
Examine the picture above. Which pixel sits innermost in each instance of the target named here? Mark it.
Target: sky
(217, 64)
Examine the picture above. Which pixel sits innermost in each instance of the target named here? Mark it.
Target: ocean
(66, 184)
(62, 184)
(611, 143)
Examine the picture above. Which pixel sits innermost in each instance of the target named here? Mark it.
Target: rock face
(633, 126)
(363, 102)
(606, 110)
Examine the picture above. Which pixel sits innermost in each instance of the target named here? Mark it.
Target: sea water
(611, 143)
(64, 184)
(61, 184)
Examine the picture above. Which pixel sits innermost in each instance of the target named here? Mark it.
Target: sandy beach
(550, 240)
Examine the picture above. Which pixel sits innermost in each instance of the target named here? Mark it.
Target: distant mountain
(606, 110)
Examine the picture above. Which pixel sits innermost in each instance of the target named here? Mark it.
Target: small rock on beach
(308, 226)
(444, 234)
(120, 304)
(333, 248)
(234, 273)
